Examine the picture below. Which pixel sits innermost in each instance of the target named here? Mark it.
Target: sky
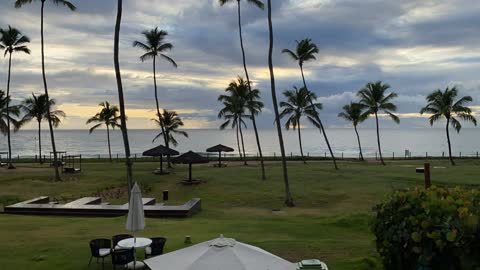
(416, 46)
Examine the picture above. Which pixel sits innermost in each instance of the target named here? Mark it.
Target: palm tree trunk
(359, 145)
(288, 196)
(449, 143)
(322, 129)
(40, 141)
(378, 140)
(10, 164)
(243, 145)
(254, 122)
(108, 140)
(160, 119)
(120, 97)
(238, 144)
(300, 142)
(49, 118)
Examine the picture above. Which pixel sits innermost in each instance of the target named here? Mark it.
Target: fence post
(291, 155)
(460, 154)
(342, 155)
(117, 156)
(393, 155)
(426, 154)
(325, 154)
(426, 168)
(274, 155)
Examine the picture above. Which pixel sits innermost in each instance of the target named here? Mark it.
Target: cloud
(415, 46)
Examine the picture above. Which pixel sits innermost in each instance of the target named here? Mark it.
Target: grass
(330, 221)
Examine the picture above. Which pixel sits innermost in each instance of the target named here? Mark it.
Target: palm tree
(109, 117)
(297, 106)
(154, 48)
(374, 99)
(304, 52)
(69, 5)
(172, 122)
(36, 107)
(260, 5)
(12, 41)
(6, 113)
(444, 104)
(118, 76)
(288, 195)
(353, 113)
(234, 111)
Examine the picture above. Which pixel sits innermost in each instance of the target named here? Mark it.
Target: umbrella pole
(134, 251)
(219, 159)
(161, 164)
(190, 172)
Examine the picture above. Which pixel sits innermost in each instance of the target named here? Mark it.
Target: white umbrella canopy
(220, 254)
(136, 215)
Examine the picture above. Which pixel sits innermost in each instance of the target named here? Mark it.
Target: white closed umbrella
(136, 215)
(220, 254)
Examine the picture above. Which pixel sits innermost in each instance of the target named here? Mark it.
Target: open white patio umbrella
(136, 215)
(220, 254)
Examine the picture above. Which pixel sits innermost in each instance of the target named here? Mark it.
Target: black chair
(122, 257)
(117, 238)
(100, 248)
(156, 248)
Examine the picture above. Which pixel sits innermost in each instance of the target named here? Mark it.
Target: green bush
(429, 229)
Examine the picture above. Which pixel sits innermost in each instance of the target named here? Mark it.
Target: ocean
(418, 141)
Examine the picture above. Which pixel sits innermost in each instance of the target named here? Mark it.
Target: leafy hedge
(429, 229)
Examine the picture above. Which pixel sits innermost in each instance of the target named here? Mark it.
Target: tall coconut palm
(374, 99)
(444, 105)
(171, 122)
(353, 113)
(288, 195)
(6, 114)
(260, 5)
(238, 101)
(296, 107)
(118, 77)
(12, 41)
(36, 107)
(108, 116)
(70, 6)
(304, 52)
(154, 48)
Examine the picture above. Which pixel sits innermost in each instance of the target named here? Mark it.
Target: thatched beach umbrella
(190, 158)
(160, 151)
(220, 148)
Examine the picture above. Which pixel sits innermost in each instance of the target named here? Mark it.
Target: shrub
(429, 229)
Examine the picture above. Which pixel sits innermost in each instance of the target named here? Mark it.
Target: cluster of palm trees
(12, 41)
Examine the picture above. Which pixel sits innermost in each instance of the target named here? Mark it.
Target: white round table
(136, 243)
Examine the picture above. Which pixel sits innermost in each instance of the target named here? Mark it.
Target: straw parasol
(220, 253)
(160, 151)
(190, 158)
(220, 148)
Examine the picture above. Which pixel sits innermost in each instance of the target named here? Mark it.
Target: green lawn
(330, 221)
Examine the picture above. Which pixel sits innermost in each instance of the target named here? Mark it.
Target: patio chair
(156, 248)
(100, 248)
(122, 257)
(117, 238)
